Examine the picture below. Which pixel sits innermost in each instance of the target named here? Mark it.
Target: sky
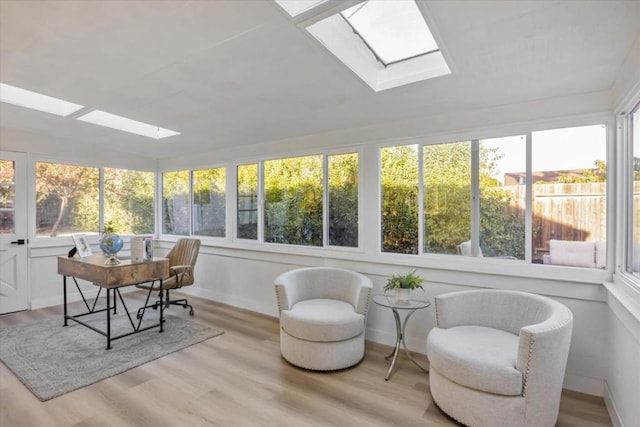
(556, 149)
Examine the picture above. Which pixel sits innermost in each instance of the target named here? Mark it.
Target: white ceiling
(236, 73)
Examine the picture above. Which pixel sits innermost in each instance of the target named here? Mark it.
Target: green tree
(247, 206)
(128, 200)
(343, 200)
(293, 201)
(447, 196)
(175, 202)
(72, 191)
(399, 195)
(599, 174)
(209, 202)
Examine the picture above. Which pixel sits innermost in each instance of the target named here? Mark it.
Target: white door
(14, 287)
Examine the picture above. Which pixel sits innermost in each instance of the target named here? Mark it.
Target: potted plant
(402, 285)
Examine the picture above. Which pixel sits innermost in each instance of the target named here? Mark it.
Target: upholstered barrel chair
(323, 313)
(498, 358)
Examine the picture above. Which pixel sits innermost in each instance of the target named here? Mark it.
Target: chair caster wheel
(190, 312)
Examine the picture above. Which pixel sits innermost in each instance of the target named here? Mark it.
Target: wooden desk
(112, 277)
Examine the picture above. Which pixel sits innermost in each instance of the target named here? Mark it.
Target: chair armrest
(179, 271)
(363, 299)
(290, 291)
(543, 351)
(179, 267)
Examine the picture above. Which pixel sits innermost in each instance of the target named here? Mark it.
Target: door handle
(18, 242)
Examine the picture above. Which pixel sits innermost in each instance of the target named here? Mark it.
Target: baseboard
(582, 384)
(610, 404)
(242, 303)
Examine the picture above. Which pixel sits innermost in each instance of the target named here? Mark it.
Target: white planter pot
(402, 295)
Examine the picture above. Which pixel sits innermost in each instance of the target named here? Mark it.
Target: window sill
(453, 269)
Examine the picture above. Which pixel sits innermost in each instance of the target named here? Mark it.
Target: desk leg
(396, 349)
(161, 307)
(108, 319)
(115, 302)
(64, 297)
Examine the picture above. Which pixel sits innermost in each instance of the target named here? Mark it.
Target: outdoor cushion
(477, 357)
(322, 320)
(576, 254)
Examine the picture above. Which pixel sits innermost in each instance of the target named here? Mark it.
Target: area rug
(52, 360)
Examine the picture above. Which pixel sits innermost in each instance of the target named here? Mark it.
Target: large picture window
(247, 205)
(399, 197)
(128, 201)
(503, 162)
(175, 203)
(293, 201)
(343, 199)
(447, 193)
(67, 199)
(477, 200)
(209, 202)
(569, 196)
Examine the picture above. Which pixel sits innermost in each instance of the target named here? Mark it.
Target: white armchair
(323, 312)
(498, 358)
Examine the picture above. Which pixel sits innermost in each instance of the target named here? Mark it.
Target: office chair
(182, 261)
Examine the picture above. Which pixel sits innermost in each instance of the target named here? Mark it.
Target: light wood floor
(240, 379)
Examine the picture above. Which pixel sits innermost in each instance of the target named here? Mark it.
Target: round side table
(410, 307)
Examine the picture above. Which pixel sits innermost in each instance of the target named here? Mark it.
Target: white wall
(46, 147)
(622, 386)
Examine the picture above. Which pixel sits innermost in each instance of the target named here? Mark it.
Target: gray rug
(52, 360)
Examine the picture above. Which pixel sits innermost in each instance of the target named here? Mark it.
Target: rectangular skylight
(113, 121)
(36, 101)
(393, 30)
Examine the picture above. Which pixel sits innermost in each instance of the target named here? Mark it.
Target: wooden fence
(575, 212)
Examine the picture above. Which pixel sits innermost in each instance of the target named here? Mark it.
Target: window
(394, 31)
(447, 195)
(343, 199)
(399, 196)
(128, 201)
(247, 205)
(476, 200)
(175, 203)
(293, 189)
(209, 202)
(569, 180)
(503, 197)
(633, 264)
(7, 197)
(386, 43)
(67, 199)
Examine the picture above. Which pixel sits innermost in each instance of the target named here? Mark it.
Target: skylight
(113, 121)
(386, 43)
(37, 101)
(393, 30)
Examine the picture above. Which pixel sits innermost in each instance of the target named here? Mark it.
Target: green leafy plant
(408, 281)
(109, 228)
